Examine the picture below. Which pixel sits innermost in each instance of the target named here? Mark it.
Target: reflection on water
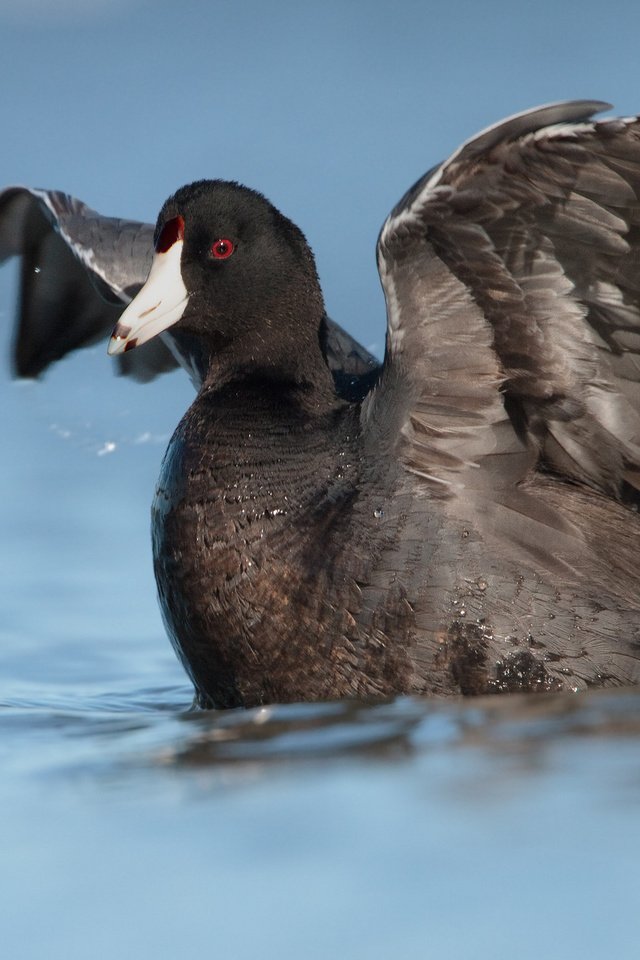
(523, 728)
(154, 730)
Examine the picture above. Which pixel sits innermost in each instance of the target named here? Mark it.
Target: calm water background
(129, 826)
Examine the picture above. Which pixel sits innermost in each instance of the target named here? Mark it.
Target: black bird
(462, 519)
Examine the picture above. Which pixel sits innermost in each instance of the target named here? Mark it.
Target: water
(131, 826)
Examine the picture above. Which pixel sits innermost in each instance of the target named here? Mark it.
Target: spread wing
(79, 269)
(512, 279)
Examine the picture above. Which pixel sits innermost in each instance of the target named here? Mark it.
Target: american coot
(462, 519)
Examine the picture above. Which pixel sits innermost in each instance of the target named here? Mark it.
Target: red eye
(222, 248)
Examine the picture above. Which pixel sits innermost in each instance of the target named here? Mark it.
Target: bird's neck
(255, 375)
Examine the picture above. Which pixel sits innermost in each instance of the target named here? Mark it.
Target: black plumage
(462, 520)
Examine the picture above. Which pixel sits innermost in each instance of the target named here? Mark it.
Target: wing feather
(78, 269)
(524, 249)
